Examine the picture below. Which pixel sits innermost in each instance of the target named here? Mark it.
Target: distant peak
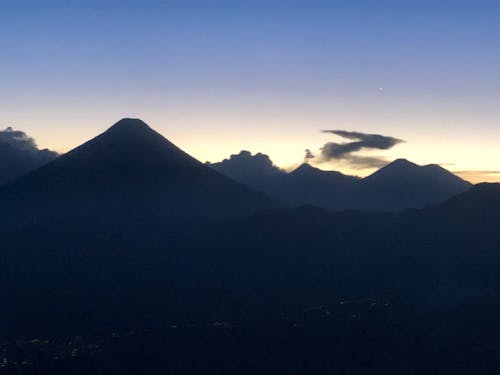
(396, 167)
(434, 166)
(402, 163)
(304, 168)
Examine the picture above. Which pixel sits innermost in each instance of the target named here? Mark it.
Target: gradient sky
(216, 77)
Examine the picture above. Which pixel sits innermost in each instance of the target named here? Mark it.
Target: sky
(216, 77)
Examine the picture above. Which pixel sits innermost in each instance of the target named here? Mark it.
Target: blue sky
(219, 76)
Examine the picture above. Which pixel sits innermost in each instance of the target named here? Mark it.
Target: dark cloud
(17, 139)
(246, 168)
(19, 155)
(366, 162)
(309, 155)
(344, 151)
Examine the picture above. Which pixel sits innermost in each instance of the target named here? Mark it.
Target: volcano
(130, 169)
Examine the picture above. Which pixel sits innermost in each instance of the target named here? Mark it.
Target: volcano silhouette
(130, 169)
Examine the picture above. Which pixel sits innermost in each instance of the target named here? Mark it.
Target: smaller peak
(402, 163)
(398, 165)
(434, 167)
(304, 168)
(394, 168)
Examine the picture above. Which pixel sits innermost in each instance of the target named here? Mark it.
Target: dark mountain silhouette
(481, 198)
(108, 275)
(309, 185)
(129, 169)
(477, 210)
(403, 184)
(247, 168)
(397, 186)
(20, 155)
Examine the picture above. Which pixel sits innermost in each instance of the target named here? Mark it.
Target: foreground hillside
(314, 291)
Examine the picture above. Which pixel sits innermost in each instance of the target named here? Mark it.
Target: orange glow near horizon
(213, 144)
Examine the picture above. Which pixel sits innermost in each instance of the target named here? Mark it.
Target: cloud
(366, 162)
(335, 151)
(19, 155)
(309, 155)
(246, 168)
(17, 139)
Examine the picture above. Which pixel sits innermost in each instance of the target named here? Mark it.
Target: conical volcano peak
(131, 133)
(132, 142)
(129, 125)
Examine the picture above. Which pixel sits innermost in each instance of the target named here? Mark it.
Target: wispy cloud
(345, 151)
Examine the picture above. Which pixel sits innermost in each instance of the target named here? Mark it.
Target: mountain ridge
(397, 186)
